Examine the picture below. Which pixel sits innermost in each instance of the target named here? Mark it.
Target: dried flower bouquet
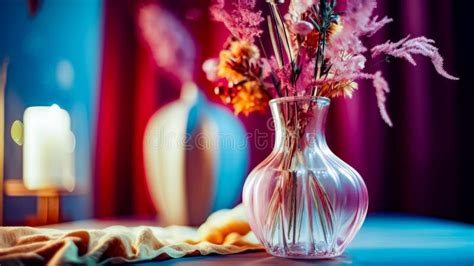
(318, 50)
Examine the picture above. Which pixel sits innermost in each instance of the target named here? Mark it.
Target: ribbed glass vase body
(303, 201)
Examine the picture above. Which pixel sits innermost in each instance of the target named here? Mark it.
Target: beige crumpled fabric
(224, 232)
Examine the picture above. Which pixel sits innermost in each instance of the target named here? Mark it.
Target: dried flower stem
(285, 200)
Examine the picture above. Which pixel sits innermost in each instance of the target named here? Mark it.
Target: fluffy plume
(170, 43)
(375, 25)
(347, 67)
(381, 89)
(242, 21)
(357, 22)
(406, 48)
(358, 14)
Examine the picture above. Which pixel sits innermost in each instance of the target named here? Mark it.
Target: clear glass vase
(303, 201)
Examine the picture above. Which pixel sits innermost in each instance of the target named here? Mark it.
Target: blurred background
(94, 60)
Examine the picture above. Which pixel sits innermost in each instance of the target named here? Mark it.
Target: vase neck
(300, 121)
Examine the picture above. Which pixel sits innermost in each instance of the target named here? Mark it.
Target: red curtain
(128, 97)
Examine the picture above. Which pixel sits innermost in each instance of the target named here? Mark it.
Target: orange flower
(238, 63)
(241, 49)
(312, 39)
(250, 98)
(234, 61)
(338, 88)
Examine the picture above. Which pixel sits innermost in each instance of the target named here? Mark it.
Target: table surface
(383, 239)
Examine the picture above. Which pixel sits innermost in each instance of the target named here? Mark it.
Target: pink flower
(302, 27)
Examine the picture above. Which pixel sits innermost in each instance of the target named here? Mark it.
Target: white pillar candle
(48, 149)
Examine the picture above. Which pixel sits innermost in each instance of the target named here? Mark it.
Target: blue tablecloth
(383, 240)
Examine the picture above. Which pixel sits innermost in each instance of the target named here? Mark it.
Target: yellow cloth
(224, 232)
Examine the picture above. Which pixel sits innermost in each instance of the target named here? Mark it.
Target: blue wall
(54, 59)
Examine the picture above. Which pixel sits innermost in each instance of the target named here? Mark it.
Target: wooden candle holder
(48, 201)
